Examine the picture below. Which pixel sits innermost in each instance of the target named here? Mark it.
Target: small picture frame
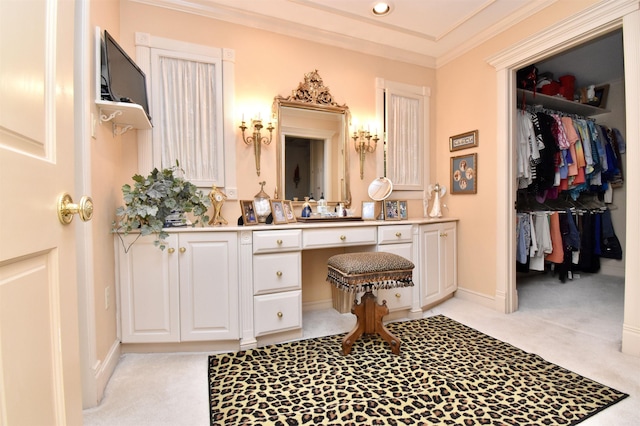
(464, 174)
(368, 210)
(391, 210)
(249, 216)
(402, 210)
(463, 141)
(288, 211)
(277, 211)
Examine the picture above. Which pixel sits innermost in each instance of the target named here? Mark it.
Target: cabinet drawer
(281, 240)
(397, 298)
(277, 312)
(394, 234)
(276, 272)
(338, 237)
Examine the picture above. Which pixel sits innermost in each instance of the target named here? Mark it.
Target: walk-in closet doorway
(595, 22)
(586, 292)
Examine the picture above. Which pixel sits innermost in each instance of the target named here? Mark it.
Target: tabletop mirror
(311, 146)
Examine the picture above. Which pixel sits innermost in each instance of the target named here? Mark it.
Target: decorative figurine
(217, 198)
(439, 192)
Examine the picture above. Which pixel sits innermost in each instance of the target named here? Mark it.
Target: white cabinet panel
(208, 286)
(149, 300)
(278, 240)
(187, 292)
(276, 272)
(439, 263)
(398, 298)
(338, 237)
(277, 312)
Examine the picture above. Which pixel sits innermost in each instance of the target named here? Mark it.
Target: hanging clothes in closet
(565, 161)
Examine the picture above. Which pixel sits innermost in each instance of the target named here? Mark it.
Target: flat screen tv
(123, 80)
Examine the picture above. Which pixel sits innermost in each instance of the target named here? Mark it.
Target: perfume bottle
(306, 208)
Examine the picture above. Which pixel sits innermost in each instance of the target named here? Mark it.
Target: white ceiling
(423, 32)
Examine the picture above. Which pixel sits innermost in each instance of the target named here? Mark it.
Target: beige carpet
(171, 389)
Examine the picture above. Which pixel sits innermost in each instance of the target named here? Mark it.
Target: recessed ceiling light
(381, 8)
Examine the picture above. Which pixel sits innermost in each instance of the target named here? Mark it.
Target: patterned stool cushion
(355, 272)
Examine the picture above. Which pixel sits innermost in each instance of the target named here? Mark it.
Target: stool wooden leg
(369, 321)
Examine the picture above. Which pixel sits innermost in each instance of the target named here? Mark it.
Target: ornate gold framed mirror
(312, 155)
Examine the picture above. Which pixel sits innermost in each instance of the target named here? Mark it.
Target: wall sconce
(362, 143)
(257, 139)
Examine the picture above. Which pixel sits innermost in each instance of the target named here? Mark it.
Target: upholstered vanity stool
(367, 271)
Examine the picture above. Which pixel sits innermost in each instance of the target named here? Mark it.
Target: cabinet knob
(444, 234)
(279, 273)
(171, 250)
(279, 242)
(343, 237)
(398, 234)
(280, 314)
(182, 249)
(398, 295)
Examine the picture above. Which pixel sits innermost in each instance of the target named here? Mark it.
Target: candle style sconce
(362, 143)
(257, 139)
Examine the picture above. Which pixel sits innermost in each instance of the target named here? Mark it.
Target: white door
(39, 356)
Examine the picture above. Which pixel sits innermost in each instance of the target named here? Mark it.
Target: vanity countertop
(312, 225)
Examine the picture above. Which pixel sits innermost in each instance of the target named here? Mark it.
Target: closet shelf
(123, 115)
(558, 103)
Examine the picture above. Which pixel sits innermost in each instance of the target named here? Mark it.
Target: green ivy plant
(156, 196)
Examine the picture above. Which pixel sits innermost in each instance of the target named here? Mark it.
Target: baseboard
(319, 305)
(475, 297)
(104, 369)
(631, 340)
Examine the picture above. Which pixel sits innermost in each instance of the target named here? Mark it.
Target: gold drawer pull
(182, 249)
(343, 237)
(279, 242)
(171, 250)
(444, 234)
(280, 314)
(398, 295)
(398, 234)
(279, 273)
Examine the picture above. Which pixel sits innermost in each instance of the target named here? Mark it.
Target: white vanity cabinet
(187, 292)
(277, 281)
(397, 239)
(438, 252)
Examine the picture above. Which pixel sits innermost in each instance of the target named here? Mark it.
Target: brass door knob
(280, 314)
(67, 208)
(182, 249)
(171, 250)
(279, 273)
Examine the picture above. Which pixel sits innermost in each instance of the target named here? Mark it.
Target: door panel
(39, 356)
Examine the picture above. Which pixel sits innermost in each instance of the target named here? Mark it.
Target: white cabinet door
(208, 286)
(438, 251)
(149, 293)
(397, 298)
(187, 292)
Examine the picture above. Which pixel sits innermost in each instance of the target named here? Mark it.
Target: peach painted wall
(466, 100)
(106, 171)
(269, 64)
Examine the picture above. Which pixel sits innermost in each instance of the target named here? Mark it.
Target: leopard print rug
(446, 373)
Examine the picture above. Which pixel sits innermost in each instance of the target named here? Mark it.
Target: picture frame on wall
(278, 213)
(463, 141)
(464, 174)
(368, 210)
(391, 210)
(249, 216)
